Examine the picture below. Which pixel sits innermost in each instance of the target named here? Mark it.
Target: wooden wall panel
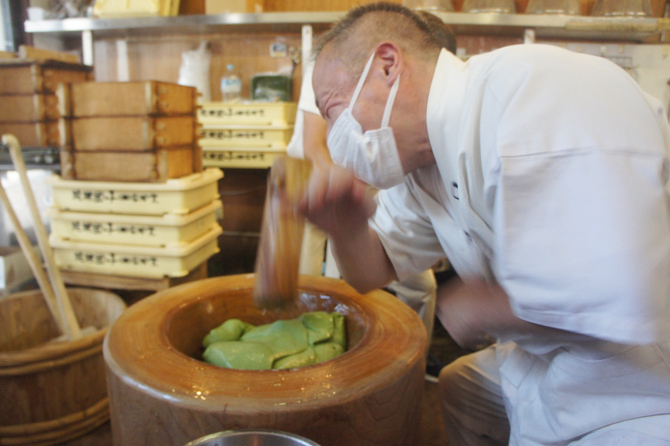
(159, 58)
(237, 255)
(474, 44)
(315, 5)
(658, 6)
(243, 193)
(188, 7)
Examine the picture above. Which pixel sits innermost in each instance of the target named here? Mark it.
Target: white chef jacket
(550, 179)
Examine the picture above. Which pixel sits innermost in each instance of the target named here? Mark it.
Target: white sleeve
(583, 242)
(295, 147)
(306, 103)
(405, 231)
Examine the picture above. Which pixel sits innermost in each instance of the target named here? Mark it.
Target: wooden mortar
(162, 393)
(52, 391)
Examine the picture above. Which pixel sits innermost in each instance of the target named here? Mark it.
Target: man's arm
(341, 205)
(473, 309)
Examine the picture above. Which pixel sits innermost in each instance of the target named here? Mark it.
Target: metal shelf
(47, 167)
(558, 26)
(271, 22)
(545, 26)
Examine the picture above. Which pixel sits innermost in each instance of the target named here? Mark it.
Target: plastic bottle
(231, 85)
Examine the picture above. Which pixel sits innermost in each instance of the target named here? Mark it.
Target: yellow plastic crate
(177, 196)
(135, 261)
(247, 113)
(142, 230)
(249, 158)
(246, 136)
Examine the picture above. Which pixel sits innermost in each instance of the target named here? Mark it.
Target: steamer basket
(52, 392)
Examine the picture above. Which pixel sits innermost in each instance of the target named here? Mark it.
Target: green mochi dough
(238, 355)
(327, 350)
(231, 330)
(309, 339)
(283, 337)
(302, 359)
(319, 326)
(339, 332)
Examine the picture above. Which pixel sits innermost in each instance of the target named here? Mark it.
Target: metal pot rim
(244, 432)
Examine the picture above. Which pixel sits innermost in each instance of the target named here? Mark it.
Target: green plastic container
(271, 87)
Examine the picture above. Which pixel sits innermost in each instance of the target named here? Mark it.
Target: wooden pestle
(278, 256)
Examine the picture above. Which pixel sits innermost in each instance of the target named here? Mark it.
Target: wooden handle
(72, 330)
(278, 256)
(33, 261)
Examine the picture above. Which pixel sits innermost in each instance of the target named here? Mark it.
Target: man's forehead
(329, 74)
(331, 71)
(324, 68)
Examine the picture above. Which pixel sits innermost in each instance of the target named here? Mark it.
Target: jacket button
(454, 190)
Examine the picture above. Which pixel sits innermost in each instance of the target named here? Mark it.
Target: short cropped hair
(442, 32)
(354, 37)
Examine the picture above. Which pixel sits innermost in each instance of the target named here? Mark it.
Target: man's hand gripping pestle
(280, 244)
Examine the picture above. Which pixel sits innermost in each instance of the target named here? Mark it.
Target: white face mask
(372, 156)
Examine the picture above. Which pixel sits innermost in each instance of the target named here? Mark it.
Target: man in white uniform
(418, 291)
(541, 174)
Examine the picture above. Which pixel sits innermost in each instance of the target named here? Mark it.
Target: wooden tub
(162, 393)
(52, 392)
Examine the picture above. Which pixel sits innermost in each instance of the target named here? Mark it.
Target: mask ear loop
(361, 81)
(389, 102)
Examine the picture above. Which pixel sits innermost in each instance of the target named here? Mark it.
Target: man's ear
(391, 58)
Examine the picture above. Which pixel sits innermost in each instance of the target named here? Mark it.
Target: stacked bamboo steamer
(28, 102)
(133, 198)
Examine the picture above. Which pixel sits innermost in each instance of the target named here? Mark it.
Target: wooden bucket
(51, 392)
(161, 392)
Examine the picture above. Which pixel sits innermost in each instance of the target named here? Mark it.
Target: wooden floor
(432, 430)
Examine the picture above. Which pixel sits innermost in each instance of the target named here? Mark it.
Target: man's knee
(472, 407)
(453, 380)
(471, 380)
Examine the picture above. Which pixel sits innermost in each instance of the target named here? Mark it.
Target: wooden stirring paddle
(69, 319)
(278, 256)
(33, 261)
